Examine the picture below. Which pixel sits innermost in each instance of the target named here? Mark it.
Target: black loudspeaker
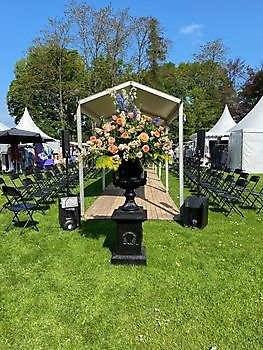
(69, 212)
(65, 143)
(200, 144)
(195, 212)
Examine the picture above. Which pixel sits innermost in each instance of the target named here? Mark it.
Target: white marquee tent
(220, 129)
(3, 147)
(246, 142)
(27, 123)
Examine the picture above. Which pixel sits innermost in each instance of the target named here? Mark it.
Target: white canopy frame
(149, 101)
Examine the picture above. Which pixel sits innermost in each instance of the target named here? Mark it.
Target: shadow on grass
(97, 228)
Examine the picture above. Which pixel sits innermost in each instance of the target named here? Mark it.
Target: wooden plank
(152, 197)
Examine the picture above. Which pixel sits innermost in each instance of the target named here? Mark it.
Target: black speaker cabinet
(65, 143)
(195, 212)
(200, 144)
(69, 212)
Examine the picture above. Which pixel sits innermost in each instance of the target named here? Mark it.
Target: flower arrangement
(129, 134)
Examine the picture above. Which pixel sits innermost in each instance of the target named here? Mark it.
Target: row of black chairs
(227, 190)
(36, 189)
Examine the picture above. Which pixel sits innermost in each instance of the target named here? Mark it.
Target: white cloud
(193, 28)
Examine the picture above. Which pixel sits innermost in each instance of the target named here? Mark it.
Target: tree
(214, 51)
(156, 51)
(204, 87)
(42, 87)
(251, 92)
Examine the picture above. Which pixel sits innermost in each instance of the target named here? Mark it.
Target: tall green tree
(42, 87)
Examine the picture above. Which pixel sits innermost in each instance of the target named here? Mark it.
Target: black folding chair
(252, 183)
(230, 201)
(257, 199)
(17, 205)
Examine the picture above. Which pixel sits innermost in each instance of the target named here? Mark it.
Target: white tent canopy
(27, 123)
(221, 128)
(3, 148)
(246, 142)
(149, 101)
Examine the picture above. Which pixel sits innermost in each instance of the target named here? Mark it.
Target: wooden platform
(152, 197)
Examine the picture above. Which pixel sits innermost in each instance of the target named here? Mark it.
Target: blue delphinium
(121, 102)
(156, 120)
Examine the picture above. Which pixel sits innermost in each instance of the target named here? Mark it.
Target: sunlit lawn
(201, 288)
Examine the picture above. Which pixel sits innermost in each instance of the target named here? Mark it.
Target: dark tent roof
(15, 135)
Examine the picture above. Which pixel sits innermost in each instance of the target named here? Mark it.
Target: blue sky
(188, 23)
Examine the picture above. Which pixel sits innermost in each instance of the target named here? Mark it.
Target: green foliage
(39, 80)
(107, 162)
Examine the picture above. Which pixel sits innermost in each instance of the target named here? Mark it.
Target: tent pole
(181, 158)
(81, 178)
(103, 180)
(166, 168)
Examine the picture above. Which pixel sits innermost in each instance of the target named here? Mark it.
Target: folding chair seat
(17, 204)
(229, 201)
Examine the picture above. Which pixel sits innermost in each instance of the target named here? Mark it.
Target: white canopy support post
(81, 178)
(166, 168)
(160, 170)
(103, 180)
(181, 158)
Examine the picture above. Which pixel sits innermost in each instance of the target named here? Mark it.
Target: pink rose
(111, 140)
(145, 148)
(139, 155)
(93, 138)
(124, 135)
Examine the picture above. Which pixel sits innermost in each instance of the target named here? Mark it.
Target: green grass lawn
(201, 288)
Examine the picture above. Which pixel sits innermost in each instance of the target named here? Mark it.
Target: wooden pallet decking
(152, 197)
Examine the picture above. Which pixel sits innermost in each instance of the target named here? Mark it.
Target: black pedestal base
(128, 249)
(122, 259)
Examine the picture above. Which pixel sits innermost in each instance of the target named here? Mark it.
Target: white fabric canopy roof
(149, 101)
(246, 142)
(3, 148)
(27, 123)
(3, 127)
(221, 128)
(253, 121)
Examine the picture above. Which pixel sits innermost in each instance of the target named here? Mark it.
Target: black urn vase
(130, 175)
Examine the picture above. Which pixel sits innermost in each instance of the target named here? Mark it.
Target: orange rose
(120, 121)
(156, 133)
(113, 149)
(145, 148)
(144, 137)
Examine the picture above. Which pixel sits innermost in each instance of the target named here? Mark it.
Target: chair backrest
(10, 191)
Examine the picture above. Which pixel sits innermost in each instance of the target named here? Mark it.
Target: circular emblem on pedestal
(129, 238)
